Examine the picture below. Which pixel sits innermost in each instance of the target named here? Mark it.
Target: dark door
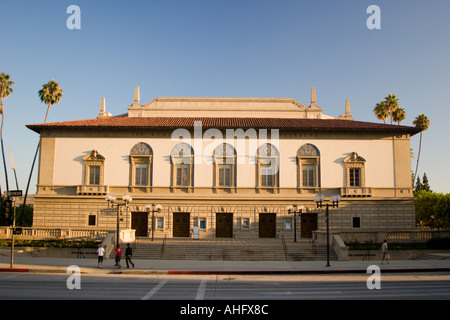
(267, 225)
(139, 222)
(224, 225)
(308, 224)
(181, 224)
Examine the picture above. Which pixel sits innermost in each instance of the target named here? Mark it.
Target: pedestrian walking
(128, 255)
(118, 255)
(384, 252)
(100, 254)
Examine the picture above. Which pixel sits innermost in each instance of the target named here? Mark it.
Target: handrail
(135, 243)
(313, 245)
(283, 242)
(163, 245)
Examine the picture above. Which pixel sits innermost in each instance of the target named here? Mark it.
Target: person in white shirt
(384, 251)
(100, 253)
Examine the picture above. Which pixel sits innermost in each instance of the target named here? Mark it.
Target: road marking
(155, 289)
(201, 289)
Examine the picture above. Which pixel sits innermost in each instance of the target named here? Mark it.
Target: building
(224, 167)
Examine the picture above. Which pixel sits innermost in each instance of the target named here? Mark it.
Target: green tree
(399, 115)
(432, 209)
(419, 186)
(389, 107)
(50, 94)
(380, 111)
(423, 185)
(5, 91)
(422, 122)
(391, 104)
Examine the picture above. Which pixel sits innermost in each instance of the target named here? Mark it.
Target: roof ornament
(103, 105)
(103, 112)
(347, 107)
(137, 96)
(347, 115)
(313, 97)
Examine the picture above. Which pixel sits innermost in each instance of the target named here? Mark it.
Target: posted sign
(15, 193)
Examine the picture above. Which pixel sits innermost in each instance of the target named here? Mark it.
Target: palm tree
(5, 91)
(422, 122)
(50, 94)
(380, 111)
(399, 115)
(391, 103)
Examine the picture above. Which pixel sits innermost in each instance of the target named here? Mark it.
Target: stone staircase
(230, 249)
(433, 256)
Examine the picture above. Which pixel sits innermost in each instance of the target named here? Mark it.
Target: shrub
(54, 243)
(439, 243)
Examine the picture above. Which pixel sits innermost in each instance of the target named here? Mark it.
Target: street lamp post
(334, 199)
(294, 209)
(112, 201)
(154, 208)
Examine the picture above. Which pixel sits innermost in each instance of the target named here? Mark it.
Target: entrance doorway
(224, 225)
(267, 225)
(181, 224)
(308, 224)
(139, 222)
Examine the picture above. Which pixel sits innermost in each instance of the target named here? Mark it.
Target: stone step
(238, 252)
(433, 256)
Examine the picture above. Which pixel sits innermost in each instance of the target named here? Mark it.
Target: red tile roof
(143, 123)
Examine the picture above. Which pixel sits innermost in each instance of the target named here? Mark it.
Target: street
(29, 286)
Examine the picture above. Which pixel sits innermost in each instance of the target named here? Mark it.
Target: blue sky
(227, 48)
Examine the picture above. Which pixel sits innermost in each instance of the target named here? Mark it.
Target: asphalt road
(17, 286)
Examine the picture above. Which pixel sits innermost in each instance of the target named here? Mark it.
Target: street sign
(15, 193)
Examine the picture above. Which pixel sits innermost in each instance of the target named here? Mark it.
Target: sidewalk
(145, 266)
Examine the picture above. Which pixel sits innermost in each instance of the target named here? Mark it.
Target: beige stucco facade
(369, 169)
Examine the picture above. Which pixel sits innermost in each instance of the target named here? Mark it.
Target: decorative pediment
(354, 158)
(94, 156)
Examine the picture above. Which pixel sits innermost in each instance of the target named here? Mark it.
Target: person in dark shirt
(128, 254)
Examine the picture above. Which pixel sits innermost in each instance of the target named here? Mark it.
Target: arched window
(308, 162)
(141, 165)
(224, 166)
(268, 166)
(182, 158)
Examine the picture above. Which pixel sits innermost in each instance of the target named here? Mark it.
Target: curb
(237, 272)
(275, 272)
(13, 270)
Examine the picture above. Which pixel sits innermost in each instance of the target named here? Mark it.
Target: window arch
(141, 156)
(182, 158)
(267, 166)
(224, 166)
(308, 164)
